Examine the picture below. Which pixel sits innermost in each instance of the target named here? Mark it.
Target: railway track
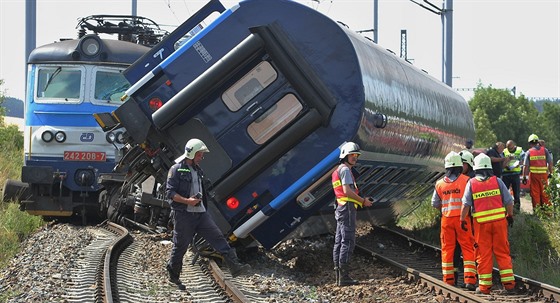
(422, 262)
(110, 269)
(94, 280)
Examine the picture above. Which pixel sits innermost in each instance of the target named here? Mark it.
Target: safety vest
(487, 200)
(537, 161)
(517, 157)
(341, 198)
(451, 193)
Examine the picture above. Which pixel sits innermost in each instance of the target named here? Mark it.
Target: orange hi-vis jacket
(341, 198)
(487, 200)
(537, 161)
(451, 193)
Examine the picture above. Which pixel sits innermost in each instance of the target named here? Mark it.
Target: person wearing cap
(447, 198)
(512, 170)
(538, 165)
(187, 198)
(491, 205)
(469, 144)
(496, 154)
(348, 200)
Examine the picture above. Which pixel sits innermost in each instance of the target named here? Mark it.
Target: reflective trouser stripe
(492, 242)
(451, 233)
(538, 195)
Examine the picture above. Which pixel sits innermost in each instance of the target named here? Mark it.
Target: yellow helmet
(482, 161)
(533, 138)
(467, 157)
(453, 160)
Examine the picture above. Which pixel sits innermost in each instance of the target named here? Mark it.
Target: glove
(510, 221)
(549, 176)
(524, 181)
(464, 225)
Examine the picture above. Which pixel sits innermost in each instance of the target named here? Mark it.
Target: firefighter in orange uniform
(447, 197)
(539, 163)
(491, 206)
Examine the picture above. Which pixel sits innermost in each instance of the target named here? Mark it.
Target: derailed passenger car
(274, 88)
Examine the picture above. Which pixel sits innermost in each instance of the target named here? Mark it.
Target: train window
(249, 86)
(110, 86)
(59, 83)
(274, 119)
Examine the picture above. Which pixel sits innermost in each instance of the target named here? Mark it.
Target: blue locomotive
(65, 150)
(274, 88)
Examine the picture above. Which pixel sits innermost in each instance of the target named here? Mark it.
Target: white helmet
(467, 157)
(191, 148)
(533, 138)
(453, 160)
(349, 148)
(482, 161)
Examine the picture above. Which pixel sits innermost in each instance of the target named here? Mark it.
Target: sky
(502, 43)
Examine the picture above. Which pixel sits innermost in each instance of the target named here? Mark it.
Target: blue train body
(274, 88)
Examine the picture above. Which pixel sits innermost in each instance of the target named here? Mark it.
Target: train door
(264, 104)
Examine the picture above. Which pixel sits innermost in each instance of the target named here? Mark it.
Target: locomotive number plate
(84, 156)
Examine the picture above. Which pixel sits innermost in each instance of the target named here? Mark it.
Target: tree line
(501, 116)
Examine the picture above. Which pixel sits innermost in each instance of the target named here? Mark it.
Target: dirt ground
(526, 205)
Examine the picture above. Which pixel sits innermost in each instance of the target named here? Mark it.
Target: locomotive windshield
(59, 83)
(75, 84)
(110, 86)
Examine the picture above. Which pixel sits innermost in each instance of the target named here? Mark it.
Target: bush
(553, 192)
(15, 226)
(11, 138)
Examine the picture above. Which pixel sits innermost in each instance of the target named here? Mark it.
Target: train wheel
(14, 190)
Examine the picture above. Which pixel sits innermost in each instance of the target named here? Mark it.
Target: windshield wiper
(56, 72)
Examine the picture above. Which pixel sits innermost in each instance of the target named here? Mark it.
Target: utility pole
(134, 8)
(447, 50)
(30, 32)
(446, 14)
(403, 45)
(375, 21)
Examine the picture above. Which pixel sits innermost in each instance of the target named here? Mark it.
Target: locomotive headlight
(47, 136)
(60, 137)
(110, 137)
(90, 46)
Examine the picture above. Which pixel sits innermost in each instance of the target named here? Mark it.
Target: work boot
(511, 291)
(233, 264)
(470, 287)
(174, 277)
(482, 291)
(337, 275)
(344, 278)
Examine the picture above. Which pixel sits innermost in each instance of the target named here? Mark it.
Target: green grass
(15, 225)
(534, 240)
